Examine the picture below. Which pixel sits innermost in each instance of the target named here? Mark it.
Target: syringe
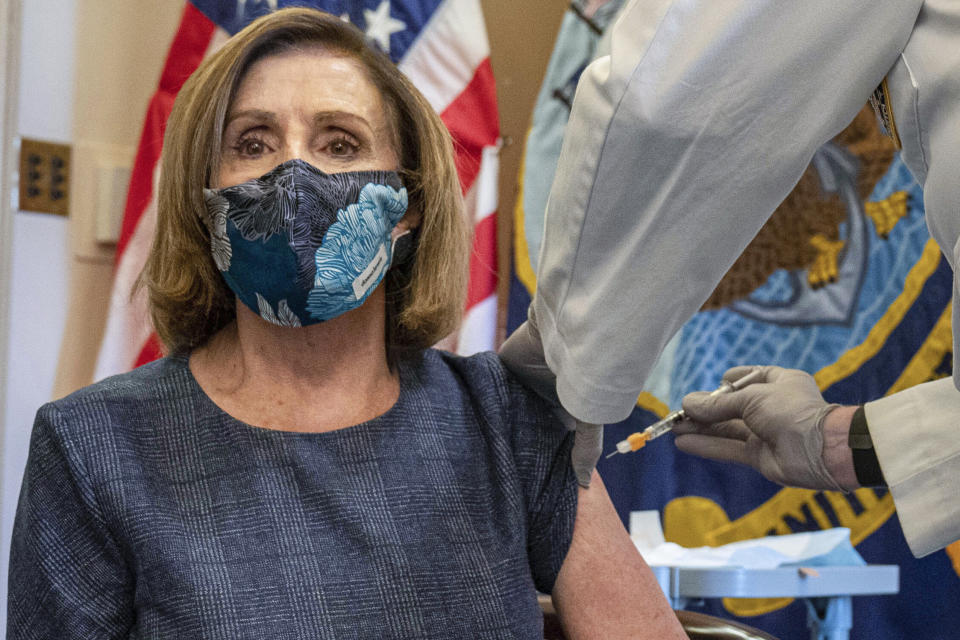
(637, 440)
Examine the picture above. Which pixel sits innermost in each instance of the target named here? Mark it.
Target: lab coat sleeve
(914, 434)
(680, 145)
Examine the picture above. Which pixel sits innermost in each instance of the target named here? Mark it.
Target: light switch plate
(112, 183)
(44, 177)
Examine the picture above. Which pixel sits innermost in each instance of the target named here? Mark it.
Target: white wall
(40, 255)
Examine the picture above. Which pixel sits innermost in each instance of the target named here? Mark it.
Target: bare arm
(605, 589)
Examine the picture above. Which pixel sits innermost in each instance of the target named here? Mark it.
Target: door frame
(10, 36)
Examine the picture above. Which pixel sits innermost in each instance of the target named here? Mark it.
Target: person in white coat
(680, 145)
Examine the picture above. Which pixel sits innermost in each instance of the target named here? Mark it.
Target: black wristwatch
(865, 463)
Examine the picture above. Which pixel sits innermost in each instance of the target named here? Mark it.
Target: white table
(827, 591)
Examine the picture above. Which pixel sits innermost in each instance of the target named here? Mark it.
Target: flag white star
(381, 25)
(242, 6)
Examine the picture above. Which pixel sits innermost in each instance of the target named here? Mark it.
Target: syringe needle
(637, 440)
(632, 442)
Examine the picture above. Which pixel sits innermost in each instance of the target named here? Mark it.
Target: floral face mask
(299, 246)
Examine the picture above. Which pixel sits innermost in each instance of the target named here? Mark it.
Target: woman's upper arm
(604, 588)
(68, 578)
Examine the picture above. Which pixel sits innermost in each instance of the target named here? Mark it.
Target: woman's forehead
(313, 78)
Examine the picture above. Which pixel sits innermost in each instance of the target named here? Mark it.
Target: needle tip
(610, 455)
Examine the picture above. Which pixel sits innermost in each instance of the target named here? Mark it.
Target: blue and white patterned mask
(300, 246)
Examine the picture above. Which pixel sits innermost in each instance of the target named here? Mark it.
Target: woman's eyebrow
(258, 115)
(324, 117)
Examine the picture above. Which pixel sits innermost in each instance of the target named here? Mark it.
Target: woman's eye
(251, 148)
(342, 147)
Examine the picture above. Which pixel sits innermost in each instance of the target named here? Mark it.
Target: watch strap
(865, 463)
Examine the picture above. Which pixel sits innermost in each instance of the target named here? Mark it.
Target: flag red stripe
(152, 350)
(141, 178)
(483, 261)
(473, 122)
(187, 50)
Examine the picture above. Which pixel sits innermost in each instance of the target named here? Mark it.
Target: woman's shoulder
(482, 378)
(138, 391)
(480, 371)
(144, 381)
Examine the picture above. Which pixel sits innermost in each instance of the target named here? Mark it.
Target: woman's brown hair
(189, 300)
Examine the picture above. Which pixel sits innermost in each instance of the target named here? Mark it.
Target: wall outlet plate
(44, 177)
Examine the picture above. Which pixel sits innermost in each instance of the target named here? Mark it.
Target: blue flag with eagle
(844, 282)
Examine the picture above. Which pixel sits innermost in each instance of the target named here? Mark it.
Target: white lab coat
(680, 145)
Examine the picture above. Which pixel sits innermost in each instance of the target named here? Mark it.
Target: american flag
(441, 45)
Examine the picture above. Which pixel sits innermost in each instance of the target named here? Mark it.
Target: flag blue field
(874, 320)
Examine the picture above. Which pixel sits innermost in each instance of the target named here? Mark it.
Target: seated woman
(302, 465)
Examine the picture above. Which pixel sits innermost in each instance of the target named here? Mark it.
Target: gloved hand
(774, 425)
(522, 354)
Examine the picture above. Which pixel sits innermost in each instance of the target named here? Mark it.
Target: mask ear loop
(402, 247)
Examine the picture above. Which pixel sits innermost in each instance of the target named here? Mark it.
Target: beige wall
(120, 49)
